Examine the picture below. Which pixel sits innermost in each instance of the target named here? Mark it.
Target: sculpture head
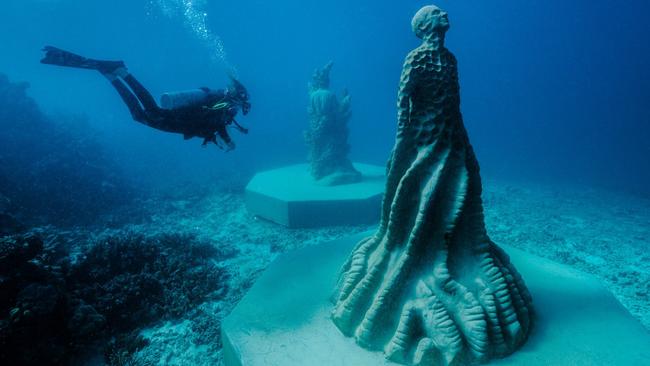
(430, 21)
(321, 77)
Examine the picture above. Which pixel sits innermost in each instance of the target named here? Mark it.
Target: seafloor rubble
(592, 230)
(595, 231)
(603, 233)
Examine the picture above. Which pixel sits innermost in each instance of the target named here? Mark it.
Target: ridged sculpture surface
(430, 287)
(327, 137)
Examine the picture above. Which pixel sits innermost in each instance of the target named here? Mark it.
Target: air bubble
(195, 17)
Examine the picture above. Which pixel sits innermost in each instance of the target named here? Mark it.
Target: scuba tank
(179, 99)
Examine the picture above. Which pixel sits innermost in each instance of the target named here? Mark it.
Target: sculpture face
(430, 20)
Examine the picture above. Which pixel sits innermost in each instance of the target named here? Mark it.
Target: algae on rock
(430, 287)
(327, 136)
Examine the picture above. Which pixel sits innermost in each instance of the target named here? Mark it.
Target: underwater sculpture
(430, 287)
(330, 190)
(327, 137)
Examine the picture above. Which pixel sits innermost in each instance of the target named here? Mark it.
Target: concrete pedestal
(284, 318)
(290, 196)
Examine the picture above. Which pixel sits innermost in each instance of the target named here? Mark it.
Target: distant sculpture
(327, 137)
(430, 287)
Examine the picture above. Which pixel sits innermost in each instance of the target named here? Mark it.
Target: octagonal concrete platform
(284, 320)
(290, 196)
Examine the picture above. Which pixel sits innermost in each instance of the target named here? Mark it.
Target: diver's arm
(239, 127)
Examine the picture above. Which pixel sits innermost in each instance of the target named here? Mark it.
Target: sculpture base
(284, 319)
(291, 197)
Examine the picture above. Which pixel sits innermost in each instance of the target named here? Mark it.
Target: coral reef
(33, 310)
(327, 137)
(430, 287)
(133, 279)
(66, 304)
(54, 158)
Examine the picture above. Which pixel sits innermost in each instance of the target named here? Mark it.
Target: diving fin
(59, 57)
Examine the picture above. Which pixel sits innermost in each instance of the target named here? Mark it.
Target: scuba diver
(203, 112)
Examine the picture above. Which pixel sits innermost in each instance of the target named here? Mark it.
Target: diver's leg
(140, 91)
(157, 118)
(129, 99)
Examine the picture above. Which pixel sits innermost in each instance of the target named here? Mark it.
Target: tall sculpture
(327, 136)
(430, 287)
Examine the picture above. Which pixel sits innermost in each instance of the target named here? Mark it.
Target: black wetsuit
(191, 121)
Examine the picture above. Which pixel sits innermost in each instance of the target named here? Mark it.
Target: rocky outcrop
(52, 170)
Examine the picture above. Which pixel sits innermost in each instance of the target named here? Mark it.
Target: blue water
(108, 227)
(551, 90)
